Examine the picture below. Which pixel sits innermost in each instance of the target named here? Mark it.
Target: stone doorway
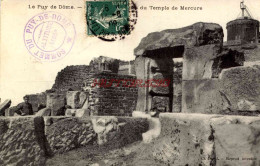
(159, 65)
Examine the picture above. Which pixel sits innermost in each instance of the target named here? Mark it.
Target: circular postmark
(49, 36)
(110, 20)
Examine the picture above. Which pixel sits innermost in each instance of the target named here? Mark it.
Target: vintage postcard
(130, 83)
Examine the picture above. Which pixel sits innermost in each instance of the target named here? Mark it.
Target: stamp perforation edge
(130, 18)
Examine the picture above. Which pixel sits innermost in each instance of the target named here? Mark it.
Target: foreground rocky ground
(135, 154)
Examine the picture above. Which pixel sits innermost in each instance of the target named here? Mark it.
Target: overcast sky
(21, 74)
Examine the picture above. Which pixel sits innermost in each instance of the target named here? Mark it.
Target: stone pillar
(148, 76)
(140, 68)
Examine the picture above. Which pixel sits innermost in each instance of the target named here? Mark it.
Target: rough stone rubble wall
(112, 100)
(72, 77)
(21, 141)
(102, 101)
(29, 140)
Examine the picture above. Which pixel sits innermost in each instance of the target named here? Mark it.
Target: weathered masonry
(196, 44)
(219, 117)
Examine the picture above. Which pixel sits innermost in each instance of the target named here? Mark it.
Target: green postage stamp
(110, 17)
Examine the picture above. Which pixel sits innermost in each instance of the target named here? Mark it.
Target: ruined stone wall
(29, 140)
(103, 63)
(126, 67)
(36, 100)
(72, 77)
(105, 101)
(108, 99)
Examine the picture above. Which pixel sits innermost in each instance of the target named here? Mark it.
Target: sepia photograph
(130, 83)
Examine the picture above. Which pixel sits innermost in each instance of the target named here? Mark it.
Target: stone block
(77, 112)
(197, 34)
(241, 87)
(44, 112)
(3, 106)
(83, 96)
(184, 140)
(86, 104)
(197, 62)
(236, 92)
(140, 63)
(55, 102)
(66, 133)
(203, 96)
(236, 140)
(154, 130)
(83, 113)
(119, 131)
(22, 141)
(70, 112)
(76, 99)
(226, 59)
(201, 139)
(38, 101)
(10, 111)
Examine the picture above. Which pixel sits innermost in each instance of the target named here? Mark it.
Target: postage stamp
(110, 19)
(49, 36)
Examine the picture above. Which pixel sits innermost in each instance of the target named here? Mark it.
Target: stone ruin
(214, 78)
(82, 88)
(209, 112)
(220, 103)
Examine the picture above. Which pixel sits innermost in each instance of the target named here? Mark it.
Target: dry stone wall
(29, 140)
(102, 101)
(22, 141)
(72, 77)
(112, 99)
(66, 133)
